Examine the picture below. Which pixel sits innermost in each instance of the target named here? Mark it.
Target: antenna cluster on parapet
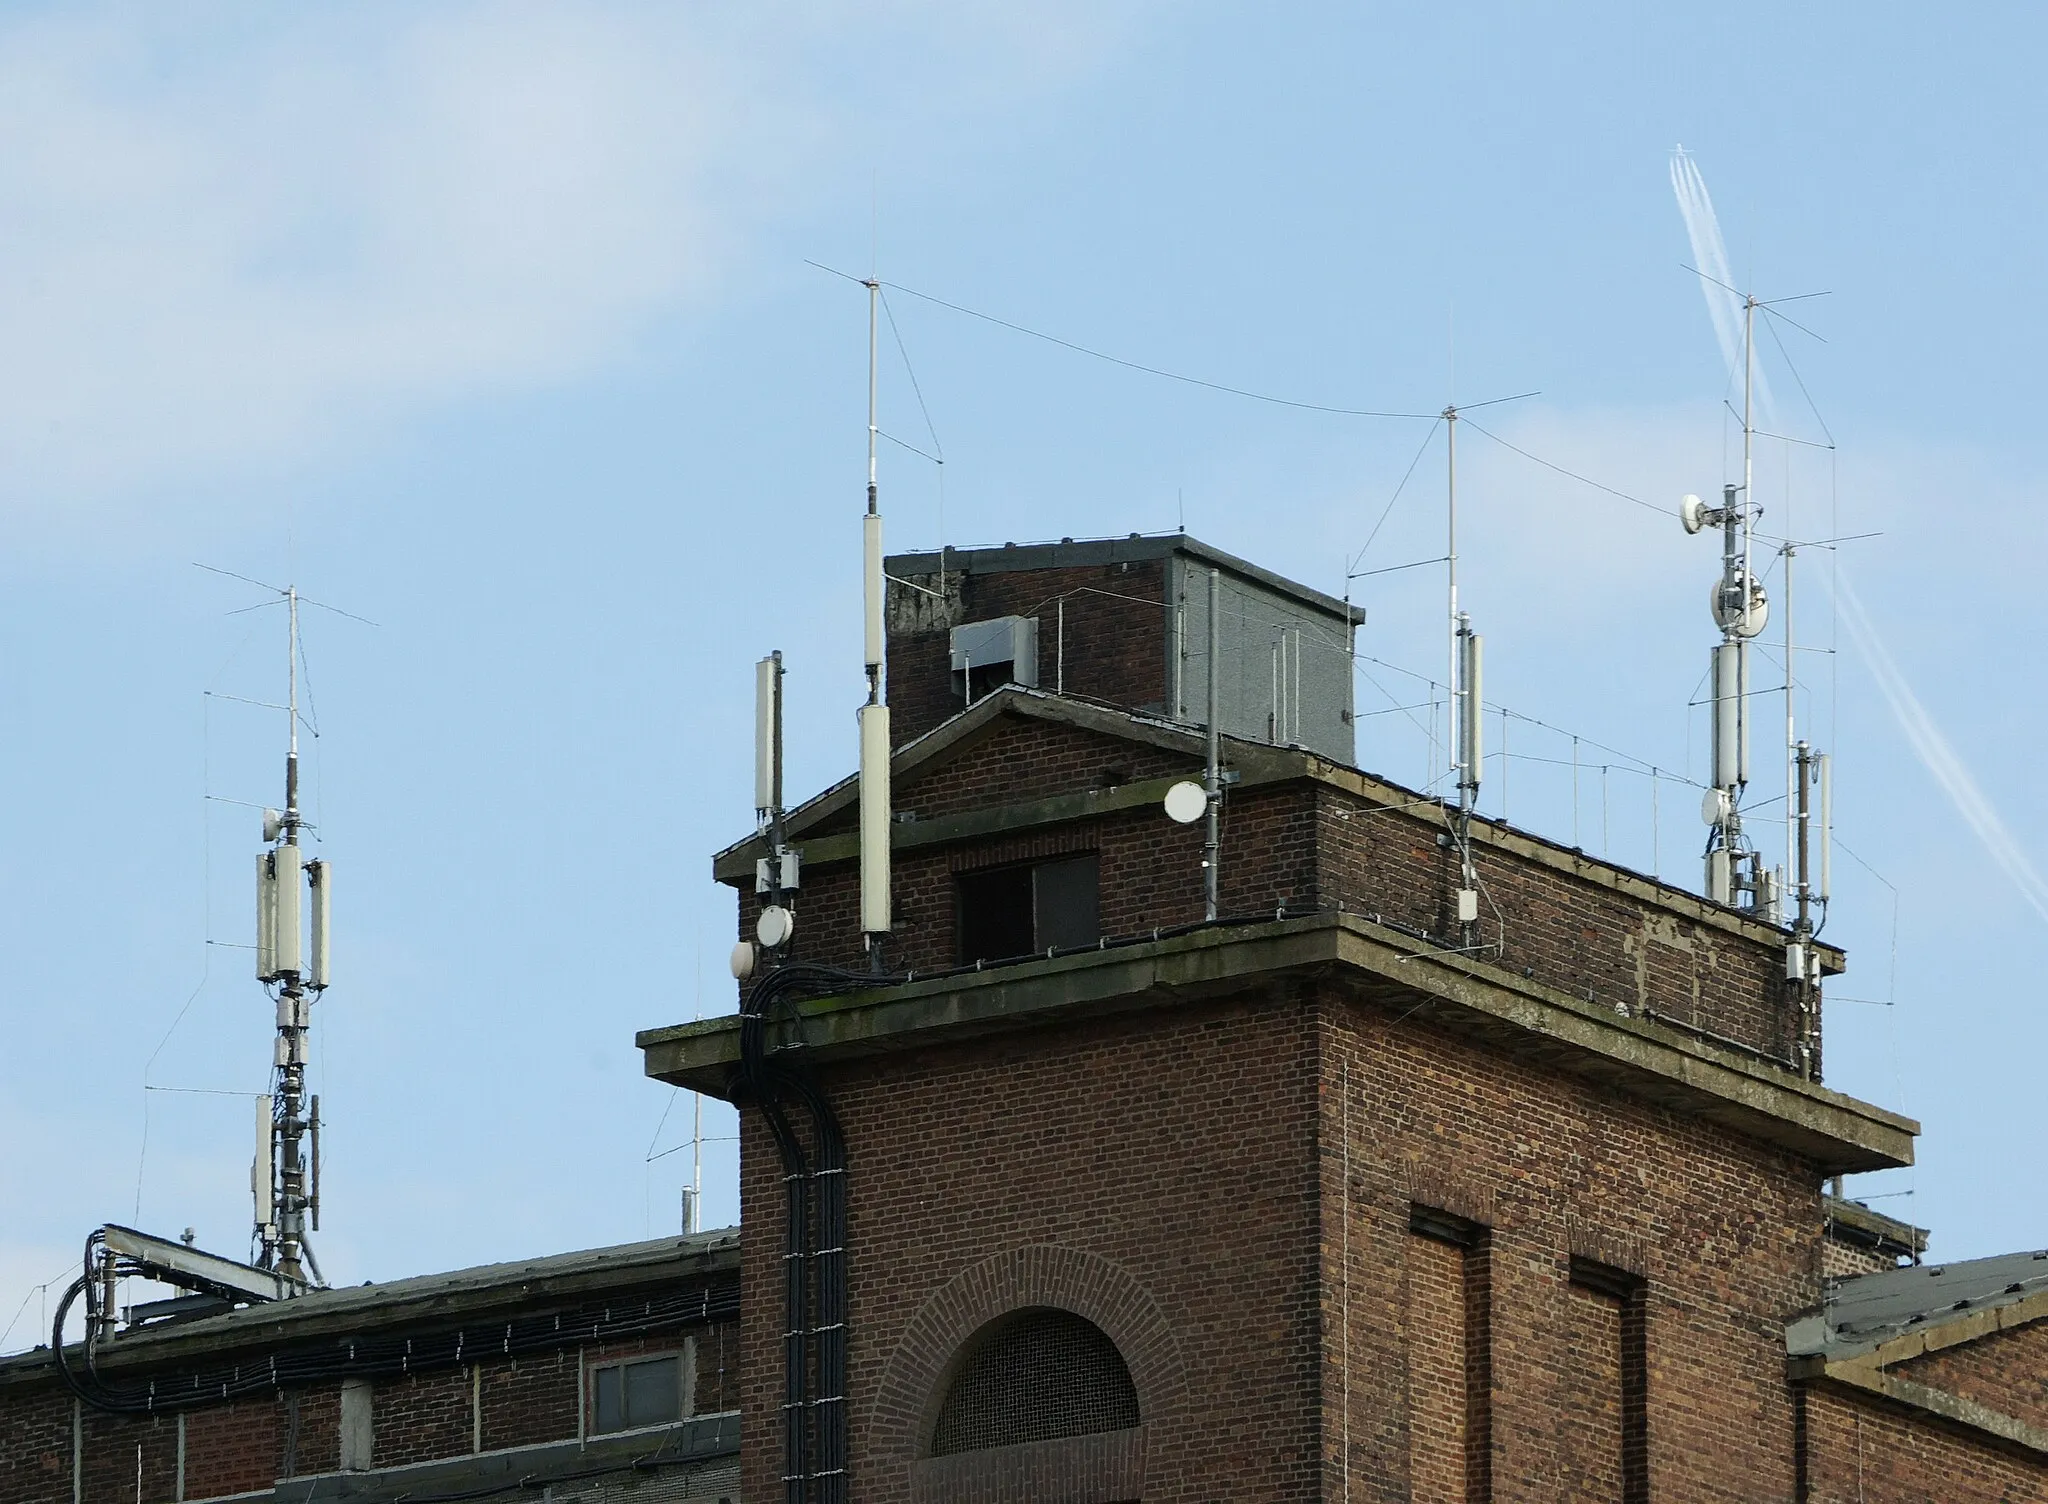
(1736, 872)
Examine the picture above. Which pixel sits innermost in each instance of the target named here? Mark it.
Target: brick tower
(1338, 1197)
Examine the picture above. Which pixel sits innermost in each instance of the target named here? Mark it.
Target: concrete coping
(1650, 1059)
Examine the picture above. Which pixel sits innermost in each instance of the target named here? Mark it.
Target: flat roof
(1077, 553)
(450, 1294)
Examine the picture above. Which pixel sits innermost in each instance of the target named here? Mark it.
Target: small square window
(1005, 913)
(645, 1392)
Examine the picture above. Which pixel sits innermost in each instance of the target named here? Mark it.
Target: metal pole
(293, 1005)
(1451, 560)
(1793, 861)
(1060, 651)
(1212, 782)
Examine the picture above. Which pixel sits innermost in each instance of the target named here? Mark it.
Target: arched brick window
(1039, 1374)
(1036, 1373)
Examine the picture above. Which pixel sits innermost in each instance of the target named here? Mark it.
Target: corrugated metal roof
(1867, 1310)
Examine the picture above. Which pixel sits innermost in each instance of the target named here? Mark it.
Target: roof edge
(1074, 553)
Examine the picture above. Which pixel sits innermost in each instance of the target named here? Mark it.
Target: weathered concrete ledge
(1868, 1377)
(1646, 1058)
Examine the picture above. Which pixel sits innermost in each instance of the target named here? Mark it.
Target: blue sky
(493, 324)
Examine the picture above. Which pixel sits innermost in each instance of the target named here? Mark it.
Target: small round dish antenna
(743, 960)
(1186, 802)
(1692, 512)
(1741, 607)
(1714, 807)
(775, 926)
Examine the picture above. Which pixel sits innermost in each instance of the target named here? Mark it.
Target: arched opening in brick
(1034, 1375)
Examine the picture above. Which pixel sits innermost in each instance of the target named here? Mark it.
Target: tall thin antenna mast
(288, 1197)
(875, 814)
(1451, 579)
(1740, 608)
(1462, 715)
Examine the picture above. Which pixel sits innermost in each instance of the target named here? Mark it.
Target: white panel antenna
(767, 737)
(263, 1170)
(876, 815)
(320, 876)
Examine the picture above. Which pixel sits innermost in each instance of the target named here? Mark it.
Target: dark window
(1035, 1375)
(984, 679)
(1008, 912)
(647, 1393)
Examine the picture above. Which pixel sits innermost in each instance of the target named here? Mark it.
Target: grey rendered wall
(1253, 620)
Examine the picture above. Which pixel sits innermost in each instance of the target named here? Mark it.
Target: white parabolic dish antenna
(1731, 614)
(774, 926)
(1186, 802)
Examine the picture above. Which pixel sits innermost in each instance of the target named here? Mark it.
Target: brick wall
(249, 1444)
(1116, 648)
(1184, 1146)
(1839, 1260)
(1579, 936)
(35, 1448)
(527, 1400)
(1861, 1451)
(119, 1448)
(420, 1417)
(1301, 846)
(231, 1449)
(1723, 1231)
(1434, 1336)
(1176, 1160)
(2006, 1371)
(1589, 1426)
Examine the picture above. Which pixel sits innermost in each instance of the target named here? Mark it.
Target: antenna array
(285, 1185)
(1735, 869)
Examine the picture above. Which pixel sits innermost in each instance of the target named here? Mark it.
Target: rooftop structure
(1439, 1160)
(590, 1376)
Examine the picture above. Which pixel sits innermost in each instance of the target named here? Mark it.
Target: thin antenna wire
(1800, 381)
(1568, 474)
(1132, 365)
(1387, 511)
(938, 455)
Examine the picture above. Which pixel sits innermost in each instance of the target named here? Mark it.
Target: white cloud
(229, 241)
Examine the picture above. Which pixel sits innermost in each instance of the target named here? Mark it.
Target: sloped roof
(1866, 1311)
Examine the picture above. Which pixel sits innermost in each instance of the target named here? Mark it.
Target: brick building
(1340, 1196)
(589, 1377)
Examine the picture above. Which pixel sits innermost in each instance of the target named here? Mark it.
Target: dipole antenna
(1450, 416)
(1463, 718)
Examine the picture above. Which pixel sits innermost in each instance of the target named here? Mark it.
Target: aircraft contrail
(1710, 255)
(1938, 755)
